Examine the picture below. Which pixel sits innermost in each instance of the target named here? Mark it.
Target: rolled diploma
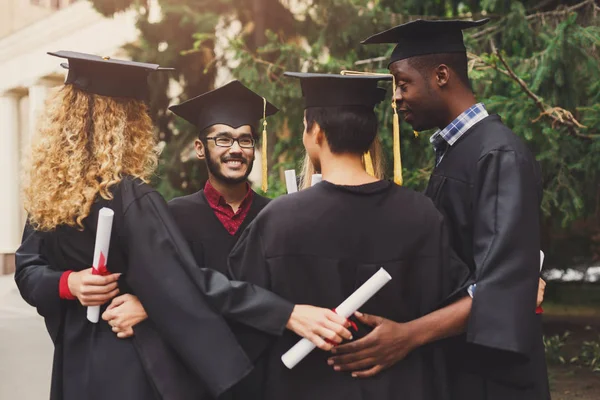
(290, 181)
(105, 220)
(368, 289)
(316, 178)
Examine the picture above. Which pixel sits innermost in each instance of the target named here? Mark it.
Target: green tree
(536, 64)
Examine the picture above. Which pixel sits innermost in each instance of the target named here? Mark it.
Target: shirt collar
(216, 199)
(461, 124)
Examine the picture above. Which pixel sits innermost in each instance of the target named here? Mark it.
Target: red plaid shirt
(231, 220)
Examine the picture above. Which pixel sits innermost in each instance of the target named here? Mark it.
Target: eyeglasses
(224, 141)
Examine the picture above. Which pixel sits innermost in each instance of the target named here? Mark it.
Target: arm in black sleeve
(506, 248)
(37, 281)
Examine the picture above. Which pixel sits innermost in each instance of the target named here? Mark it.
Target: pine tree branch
(558, 115)
(553, 13)
(561, 12)
(538, 102)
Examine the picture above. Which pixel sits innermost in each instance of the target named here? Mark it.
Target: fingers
(368, 319)
(356, 346)
(99, 280)
(327, 334)
(319, 342)
(117, 301)
(368, 373)
(338, 319)
(108, 315)
(97, 299)
(92, 289)
(338, 329)
(361, 364)
(125, 334)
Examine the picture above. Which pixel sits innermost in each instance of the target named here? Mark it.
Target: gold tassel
(369, 163)
(416, 133)
(396, 144)
(265, 166)
(395, 126)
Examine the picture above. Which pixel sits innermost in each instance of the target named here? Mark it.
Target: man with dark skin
(488, 186)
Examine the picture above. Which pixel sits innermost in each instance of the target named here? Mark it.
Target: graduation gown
(185, 305)
(318, 246)
(488, 187)
(211, 244)
(208, 239)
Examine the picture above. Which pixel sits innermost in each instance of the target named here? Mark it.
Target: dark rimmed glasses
(245, 142)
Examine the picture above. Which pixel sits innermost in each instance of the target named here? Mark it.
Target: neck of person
(233, 193)
(459, 104)
(344, 169)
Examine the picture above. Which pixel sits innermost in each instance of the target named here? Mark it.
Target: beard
(214, 167)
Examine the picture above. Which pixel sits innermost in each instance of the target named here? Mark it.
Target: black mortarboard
(331, 90)
(422, 37)
(106, 76)
(233, 104)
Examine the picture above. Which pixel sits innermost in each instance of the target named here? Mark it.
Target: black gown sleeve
(506, 245)
(456, 276)
(37, 281)
(248, 262)
(187, 303)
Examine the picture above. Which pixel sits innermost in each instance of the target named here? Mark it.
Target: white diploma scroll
(368, 289)
(316, 178)
(105, 220)
(290, 181)
(542, 255)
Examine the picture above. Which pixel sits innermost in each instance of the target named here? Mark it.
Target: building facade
(29, 29)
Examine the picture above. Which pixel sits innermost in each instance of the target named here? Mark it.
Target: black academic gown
(211, 244)
(208, 239)
(319, 245)
(185, 305)
(488, 187)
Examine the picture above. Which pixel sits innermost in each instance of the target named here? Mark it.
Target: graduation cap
(422, 37)
(106, 76)
(232, 104)
(332, 90)
(350, 88)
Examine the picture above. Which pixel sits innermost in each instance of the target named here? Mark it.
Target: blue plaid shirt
(450, 134)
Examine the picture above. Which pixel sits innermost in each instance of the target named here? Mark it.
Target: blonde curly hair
(85, 144)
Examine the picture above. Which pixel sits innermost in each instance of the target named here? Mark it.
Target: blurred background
(536, 64)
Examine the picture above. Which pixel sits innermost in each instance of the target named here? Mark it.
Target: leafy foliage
(553, 46)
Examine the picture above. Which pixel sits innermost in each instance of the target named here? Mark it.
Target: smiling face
(229, 165)
(417, 96)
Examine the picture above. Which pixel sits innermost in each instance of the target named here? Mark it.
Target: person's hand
(317, 324)
(541, 290)
(388, 343)
(123, 313)
(93, 290)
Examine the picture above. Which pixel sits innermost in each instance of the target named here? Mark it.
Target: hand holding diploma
(105, 220)
(344, 310)
(317, 324)
(93, 290)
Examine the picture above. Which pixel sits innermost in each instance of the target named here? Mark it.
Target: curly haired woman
(95, 149)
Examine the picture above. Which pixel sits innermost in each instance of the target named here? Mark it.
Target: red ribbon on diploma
(352, 325)
(101, 266)
(539, 310)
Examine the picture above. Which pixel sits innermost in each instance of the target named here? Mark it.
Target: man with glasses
(213, 219)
